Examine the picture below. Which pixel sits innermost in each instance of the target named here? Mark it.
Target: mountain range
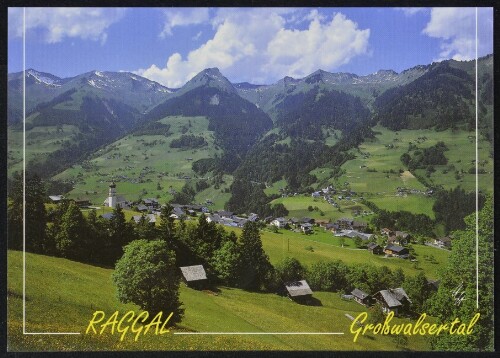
(291, 118)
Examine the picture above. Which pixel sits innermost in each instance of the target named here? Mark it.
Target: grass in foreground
(62, 295)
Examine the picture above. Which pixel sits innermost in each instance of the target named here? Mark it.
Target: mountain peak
(209, 77)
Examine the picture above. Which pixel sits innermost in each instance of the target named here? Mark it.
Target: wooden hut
(299, 291)
(194, 276)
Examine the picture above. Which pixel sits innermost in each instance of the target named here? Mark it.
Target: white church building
(113, 200)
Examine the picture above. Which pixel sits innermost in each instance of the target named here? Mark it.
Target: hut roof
(359, 294)
(298, 288)
(194, 273)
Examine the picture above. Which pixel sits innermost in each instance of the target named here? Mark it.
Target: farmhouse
(374, 248)
(395, 300)
(225, 214)
(353, 233)
(108, 216)
(279, 222)
(298, 291)
(151, 218)
(307, 220)
(396, 250)
(253, 217)
(306, 228)
(358, 225)
(194, 276)
(443, 242)
(361, 297)
(332, 227)
(142, 208)
(213, 218)
(344, 223)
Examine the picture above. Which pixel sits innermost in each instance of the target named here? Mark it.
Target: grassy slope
(297, 206)
(327, 247)
(131, 155)
(62, 296)
(380, 187)
(40, 141)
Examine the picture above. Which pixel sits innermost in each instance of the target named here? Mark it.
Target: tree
(376, 315)
(290, 269)
(120, 233)
(226, 263)
(255, 264)
(35, 215)
(71, 234)
(456, 296)
(144, 229)
(418, 290)
(147, 276)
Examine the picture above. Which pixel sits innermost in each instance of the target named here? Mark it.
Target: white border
(220, 333)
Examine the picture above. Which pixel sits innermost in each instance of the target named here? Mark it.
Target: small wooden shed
(194, 276)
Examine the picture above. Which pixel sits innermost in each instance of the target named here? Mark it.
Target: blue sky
(257, 45)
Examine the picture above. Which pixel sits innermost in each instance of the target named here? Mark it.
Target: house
(361, 297)
(402, 238)
(298, 291)
(322, 223)
(396, 250)
(213, 218)
(395, 300)
(443, 242)
(279, 222)
(108, 216)
(358, 225)
(151, 218)
(194, 276)
(295, 222)
(332, 227)
(306, 228)
(353, 233)
(344, 223)
(56, 198)
(151, 203)
(142, 208)
(307, 220)
(375, 249)
(177, 213)
(253, 217)
(82, 203)
(225, 214)
(316, 194)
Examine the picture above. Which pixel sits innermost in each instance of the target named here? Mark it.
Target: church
(113, 200)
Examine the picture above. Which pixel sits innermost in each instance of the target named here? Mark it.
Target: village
(387, 242)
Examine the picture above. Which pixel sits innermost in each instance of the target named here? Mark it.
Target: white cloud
(197, 36)
(410, 11)
(456, 27)
(183, 17)
(56, 24)
(262, 45)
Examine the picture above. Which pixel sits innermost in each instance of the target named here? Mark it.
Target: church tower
(112, 195)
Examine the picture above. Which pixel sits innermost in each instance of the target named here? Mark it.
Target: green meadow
(146, 166)
(40, 141)
(297, 206)
(62, 295)
(377, 171)
(324, 246)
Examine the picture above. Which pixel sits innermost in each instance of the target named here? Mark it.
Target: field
(327, 247)
(298, 207)
(62, 295)
(377, 170)
(146, 166)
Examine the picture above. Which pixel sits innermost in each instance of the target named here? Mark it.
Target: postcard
(250, 179)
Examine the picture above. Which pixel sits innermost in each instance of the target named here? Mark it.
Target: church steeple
(112, 195)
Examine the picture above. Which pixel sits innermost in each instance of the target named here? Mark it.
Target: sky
(256, 45)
